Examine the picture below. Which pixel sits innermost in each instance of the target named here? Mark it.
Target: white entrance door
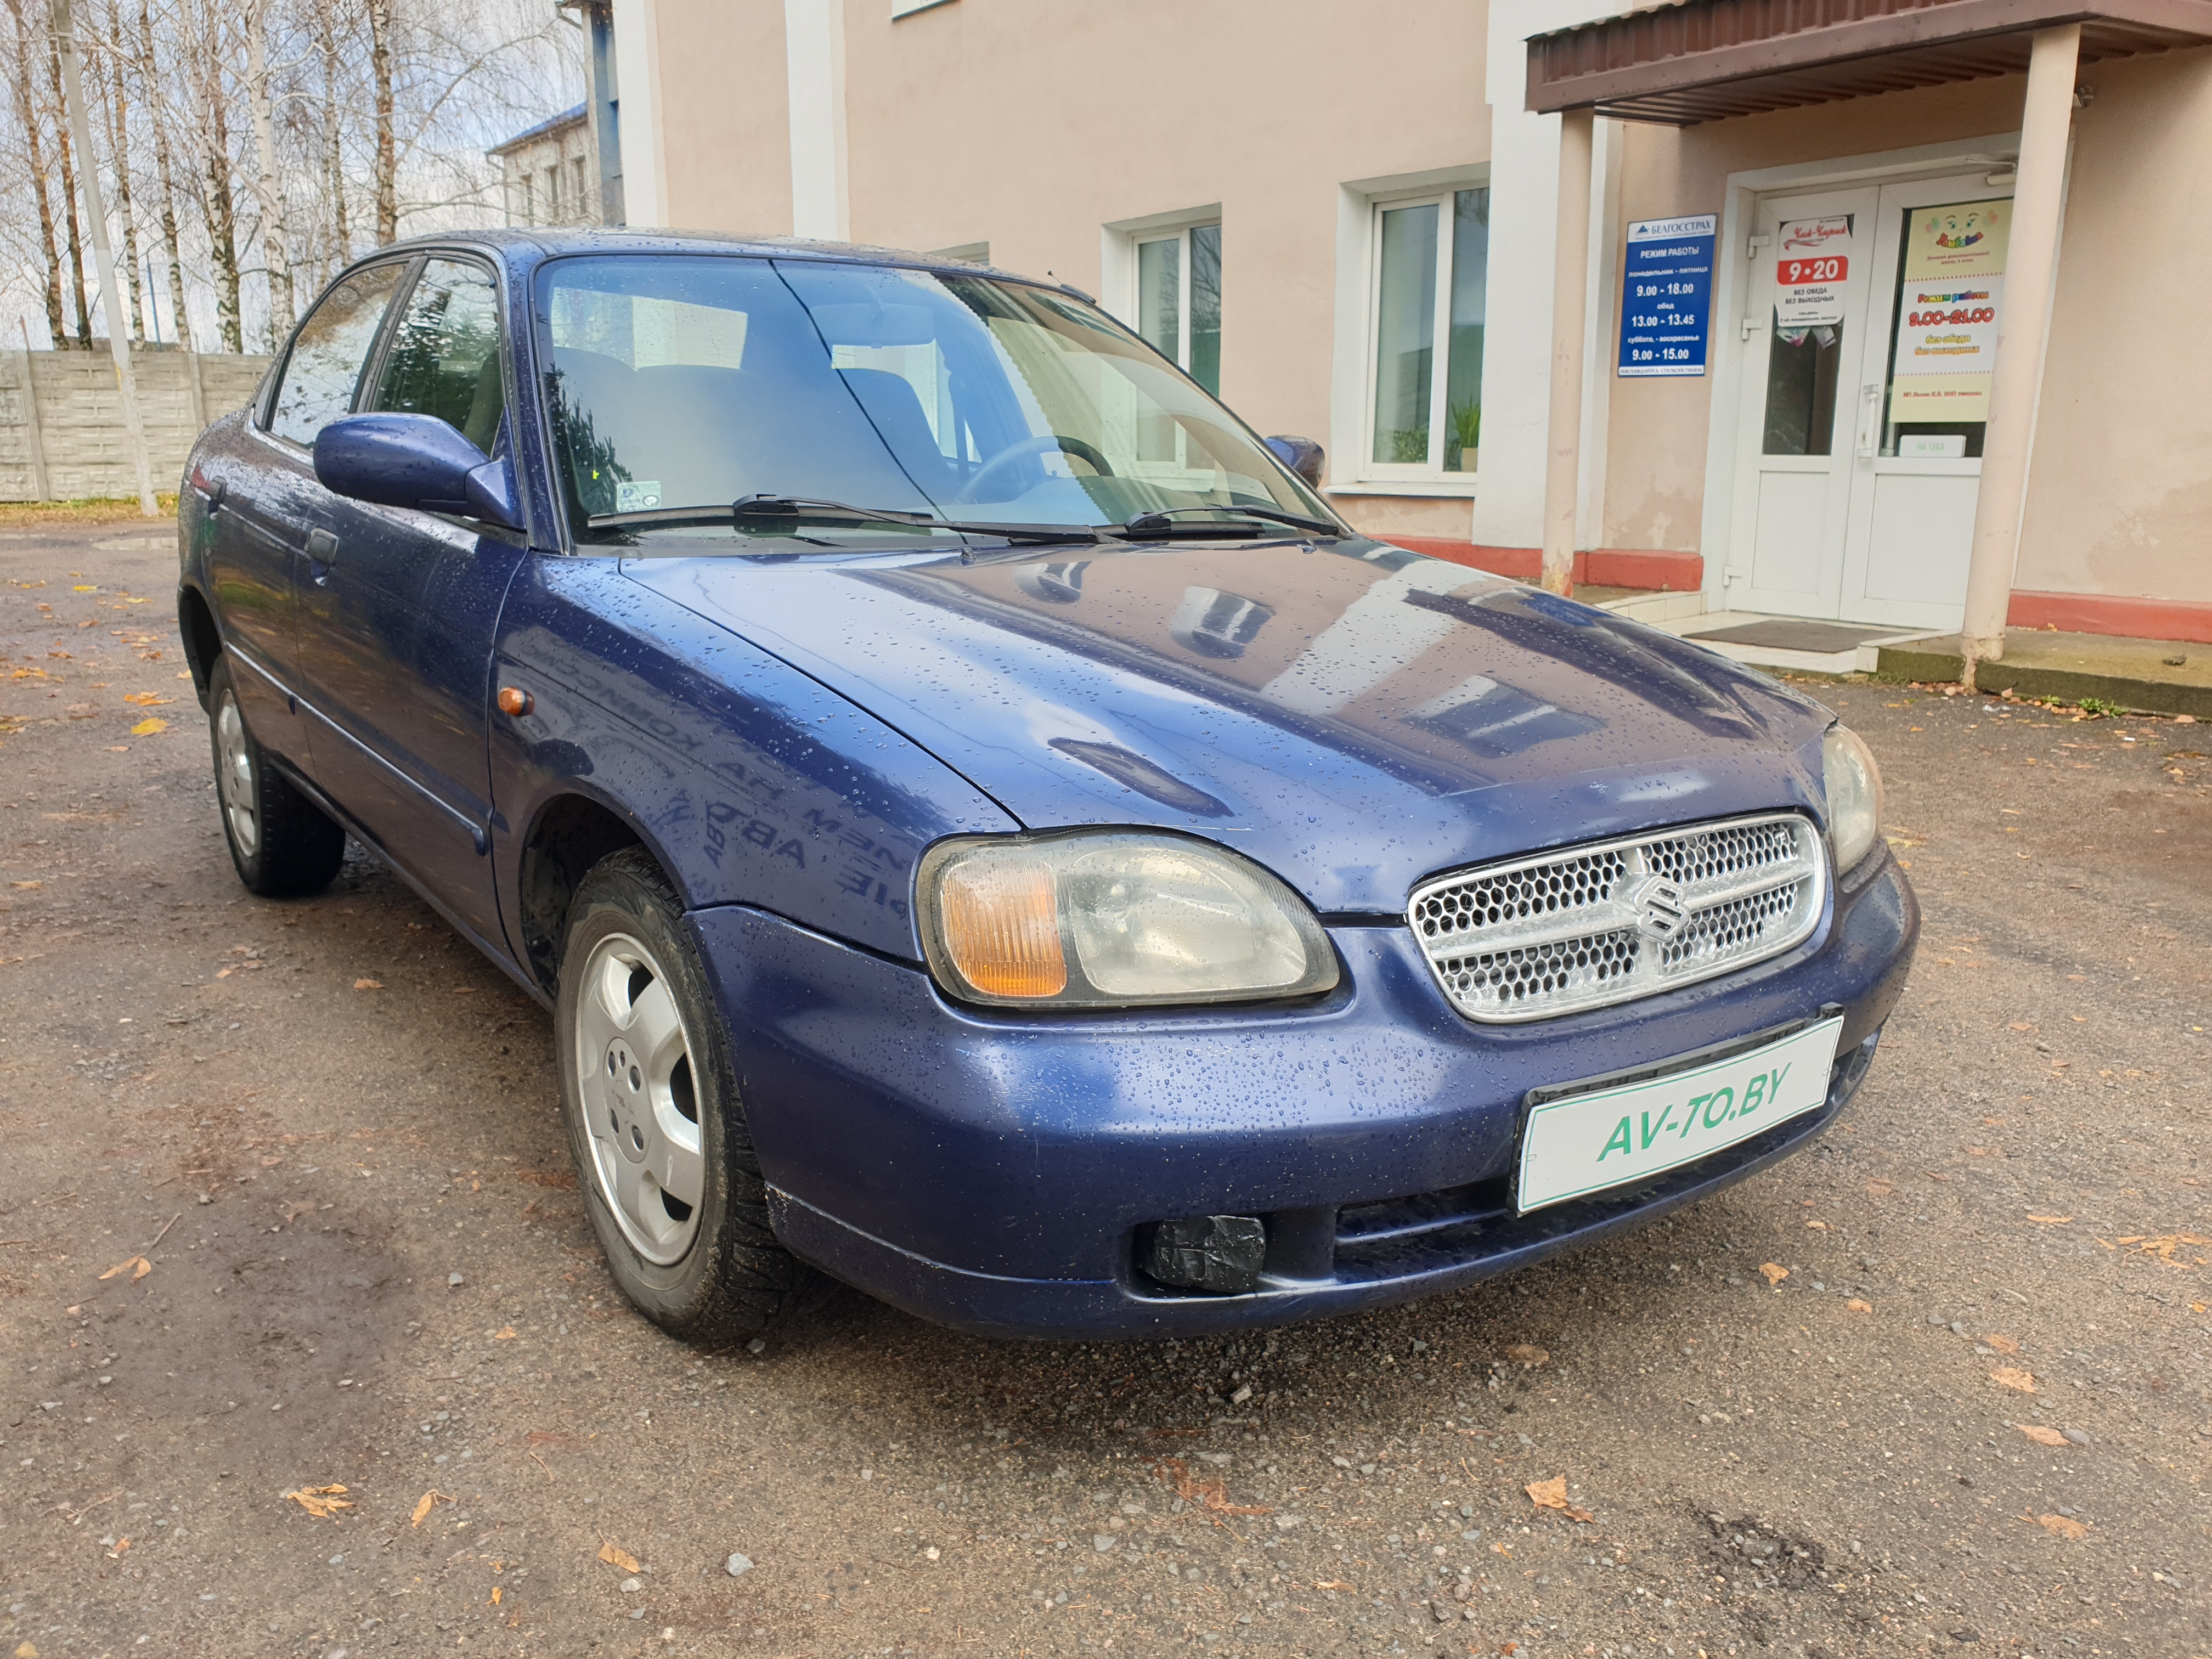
(1870, 323)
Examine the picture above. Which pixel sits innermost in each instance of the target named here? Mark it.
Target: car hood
(1352, 715)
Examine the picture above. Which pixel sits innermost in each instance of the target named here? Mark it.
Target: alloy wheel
(235, 777)
(633, 1068)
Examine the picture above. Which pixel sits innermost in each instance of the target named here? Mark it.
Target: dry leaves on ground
(429, 1501)
(2164, 1246)
(2062, 1526)
(2042, 1434)
(1528, 1353)
(2002, 1344)
(2051, 1220)
(137, 1266)
(1859, 1305)
(324, 1502)
(615, 1556)
(1212, 1494)
(146, 699)
(148, 726)
(368, 985)
(2011, 1377)
(1774, 1271)
(1553, 1495)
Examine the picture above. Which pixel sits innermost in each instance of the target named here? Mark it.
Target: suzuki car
(983, 826)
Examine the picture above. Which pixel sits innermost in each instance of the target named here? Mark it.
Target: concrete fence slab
(62, 435)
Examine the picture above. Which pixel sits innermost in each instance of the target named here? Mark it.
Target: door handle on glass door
(1870, 418)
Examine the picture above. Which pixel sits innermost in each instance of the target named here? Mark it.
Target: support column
(2023, 331)
(814, 65)
(1570, 278)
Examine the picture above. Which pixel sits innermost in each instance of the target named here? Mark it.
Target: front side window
(1179, 300)
(680, 384)
(444, 355)
(323, 371)
(1431, 274)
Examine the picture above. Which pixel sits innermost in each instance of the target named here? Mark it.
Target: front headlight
(1110, 919)
(1854, 789)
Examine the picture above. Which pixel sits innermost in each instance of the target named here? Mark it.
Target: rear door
(397, 618)
(269, 504)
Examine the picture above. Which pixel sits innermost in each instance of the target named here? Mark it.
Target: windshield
(686, 382)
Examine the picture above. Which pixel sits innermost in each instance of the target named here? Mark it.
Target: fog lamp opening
(1220, 1254)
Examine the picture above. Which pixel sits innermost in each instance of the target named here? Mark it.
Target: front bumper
(990, 1170)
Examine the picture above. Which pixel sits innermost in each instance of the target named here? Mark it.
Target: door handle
(322, 547)
(1869, 419)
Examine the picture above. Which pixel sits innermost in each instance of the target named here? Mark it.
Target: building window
(1431, 258)
(525, 199)
(583, 191)
(1179, 299)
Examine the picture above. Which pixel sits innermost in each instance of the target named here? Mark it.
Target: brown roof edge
(1710, 43)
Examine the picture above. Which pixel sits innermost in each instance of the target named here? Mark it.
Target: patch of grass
(24, 515)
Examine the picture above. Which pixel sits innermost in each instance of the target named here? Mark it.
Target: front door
(399, 609)
(1871, 325)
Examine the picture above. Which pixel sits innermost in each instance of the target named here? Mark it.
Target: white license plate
(1584, 1143)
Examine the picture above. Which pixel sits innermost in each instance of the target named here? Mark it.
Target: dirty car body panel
(791, 720)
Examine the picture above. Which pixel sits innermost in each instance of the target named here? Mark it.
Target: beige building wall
(2120, 498)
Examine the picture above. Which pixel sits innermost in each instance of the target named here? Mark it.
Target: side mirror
(417, 461)
(1301, 455)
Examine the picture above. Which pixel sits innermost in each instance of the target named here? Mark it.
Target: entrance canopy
(1704, 60)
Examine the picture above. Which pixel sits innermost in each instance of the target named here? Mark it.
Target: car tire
(655, 1119)
(280, 842)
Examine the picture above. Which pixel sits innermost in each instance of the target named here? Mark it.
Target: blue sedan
(984, 828)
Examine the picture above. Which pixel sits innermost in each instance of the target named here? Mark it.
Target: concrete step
(2152, 677)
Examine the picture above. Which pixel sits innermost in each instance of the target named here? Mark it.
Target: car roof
(523, 249)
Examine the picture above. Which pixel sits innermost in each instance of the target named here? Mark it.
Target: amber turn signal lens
(1002, 928)
(513, 699)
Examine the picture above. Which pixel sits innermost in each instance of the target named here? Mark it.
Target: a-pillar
(1570, 281)
(2023, 330)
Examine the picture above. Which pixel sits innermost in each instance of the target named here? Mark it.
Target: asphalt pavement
(307, 1348)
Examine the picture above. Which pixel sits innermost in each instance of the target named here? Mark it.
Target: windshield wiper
(1163, 519)
(803, 506)
(798, 507)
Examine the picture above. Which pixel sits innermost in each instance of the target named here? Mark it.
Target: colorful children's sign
(1947, 315)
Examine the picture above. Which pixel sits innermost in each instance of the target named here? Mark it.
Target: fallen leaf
(1528, 1353)
(2051, 1220)
(2042, 1434)
(2011, 1377)
(1821, 1226)
(1553, 1495)
(27, 883)
(25, 1651)
(615, 1556)
(325, 1502)
(1501, 1549)
(2164, 1247)
(495, 1592)
(1774, 1271)
(1212, 1494)
(427, 1502)
(1857, 1306)
(137, 1265)
(2002, 1344)
(146, 699)
(358, 984)
(1333, 1583)
(504, 1335)
(2018, 1025)
(148, 726)
(2062, 1526)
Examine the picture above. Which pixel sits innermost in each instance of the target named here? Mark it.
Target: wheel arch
(569, 833)
(203, 637)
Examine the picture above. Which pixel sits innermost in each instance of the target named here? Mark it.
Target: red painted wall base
(1604, 567)
(2117, 614)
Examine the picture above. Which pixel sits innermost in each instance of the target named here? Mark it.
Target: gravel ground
(1974, 1413)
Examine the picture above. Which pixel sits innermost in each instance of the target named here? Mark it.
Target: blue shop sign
(1666, 295)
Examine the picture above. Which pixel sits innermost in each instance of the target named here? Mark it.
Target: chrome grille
(1602, 924)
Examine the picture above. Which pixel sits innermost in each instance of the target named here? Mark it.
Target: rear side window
(444, 355)
(323, 371)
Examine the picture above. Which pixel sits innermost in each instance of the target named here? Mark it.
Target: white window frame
(1180, 235)
(1428, 473)
(1118, 266)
